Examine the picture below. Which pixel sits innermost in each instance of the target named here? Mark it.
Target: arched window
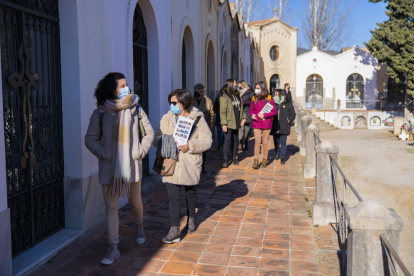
(355, 91)
(183, 68)
(140, 61)
(274, 83)
(396, 93)
(314, 90)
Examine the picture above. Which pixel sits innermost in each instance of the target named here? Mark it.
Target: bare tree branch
(327, 23)
(249, 9)
(284, 10)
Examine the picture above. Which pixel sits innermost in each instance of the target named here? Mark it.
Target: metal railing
(342, 223)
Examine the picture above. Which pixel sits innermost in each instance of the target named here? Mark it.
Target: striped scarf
(121, 148)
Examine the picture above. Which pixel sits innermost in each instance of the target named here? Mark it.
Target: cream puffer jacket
(188, 168)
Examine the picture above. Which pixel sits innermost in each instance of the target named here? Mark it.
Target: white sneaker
(140, 235)
(112, 255)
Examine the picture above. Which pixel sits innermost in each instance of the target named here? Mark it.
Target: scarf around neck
(278, 100)
(121, 148)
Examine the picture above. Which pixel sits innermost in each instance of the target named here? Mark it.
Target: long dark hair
(228, 87)
(106, 87)
(281, 93)
(263, 90)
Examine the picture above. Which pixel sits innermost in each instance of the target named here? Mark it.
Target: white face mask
(257, 91)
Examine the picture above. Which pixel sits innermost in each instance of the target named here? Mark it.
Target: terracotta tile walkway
(250, 222)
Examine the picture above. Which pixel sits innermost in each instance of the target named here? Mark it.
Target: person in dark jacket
(216, 109)
(281, 123)
(246, 95)
(288, 94)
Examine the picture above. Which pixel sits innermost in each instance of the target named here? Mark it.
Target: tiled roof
(259, 21)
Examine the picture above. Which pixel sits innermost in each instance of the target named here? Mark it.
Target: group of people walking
(120, 136)
(240, 109)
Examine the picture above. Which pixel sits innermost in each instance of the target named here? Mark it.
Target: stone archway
(187, 68)
(211, 72)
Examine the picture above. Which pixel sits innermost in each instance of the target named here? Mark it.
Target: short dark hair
(228, 87)
(105, 90)
(183, 97)
(263, 89)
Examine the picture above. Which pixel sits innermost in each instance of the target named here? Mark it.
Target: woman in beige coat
(120, 136)
(188, 167)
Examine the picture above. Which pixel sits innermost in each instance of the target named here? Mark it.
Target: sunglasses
(174, 103)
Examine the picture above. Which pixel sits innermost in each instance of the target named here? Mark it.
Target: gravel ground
(380, 166)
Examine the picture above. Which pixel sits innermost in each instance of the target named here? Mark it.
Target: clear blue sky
(365, 16)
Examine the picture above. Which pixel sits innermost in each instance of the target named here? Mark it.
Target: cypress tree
(393, 41)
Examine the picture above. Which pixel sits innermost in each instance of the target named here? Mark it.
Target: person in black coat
(246, 94)
(288, 94)
(216, 109)
(282, 123)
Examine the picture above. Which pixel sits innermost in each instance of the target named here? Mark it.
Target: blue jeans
(280, 140)
(220, 136)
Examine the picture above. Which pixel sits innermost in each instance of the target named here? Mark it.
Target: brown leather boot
(255, 164)
(264, 164)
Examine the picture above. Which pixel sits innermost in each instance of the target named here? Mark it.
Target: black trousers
(204, 159)
(231, 139)
(174, 193)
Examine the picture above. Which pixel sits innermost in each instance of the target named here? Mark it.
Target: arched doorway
(187, 65)
(355, 91)
(314, 90)
(396, 93)
(140, 60)
(33, 130)
(274, 83)
(225, 68)
(211, 79)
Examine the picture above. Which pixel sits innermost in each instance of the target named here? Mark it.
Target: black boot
(220, 146)
(277, 156)
(203, 169)
(282, 161)
(235, 161)
(246, 145)
(224, 163)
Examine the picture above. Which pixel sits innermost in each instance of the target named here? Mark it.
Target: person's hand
(224, 129)
(254, 117)
(184, 148)
(261, 116)
(244, 102)
(243, 122)
(288, 121)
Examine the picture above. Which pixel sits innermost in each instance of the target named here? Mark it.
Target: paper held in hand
(266, 109)
(182, 130)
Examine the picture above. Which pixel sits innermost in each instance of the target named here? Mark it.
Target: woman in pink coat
(262, 122)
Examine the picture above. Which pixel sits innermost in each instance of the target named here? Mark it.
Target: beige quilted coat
(188, 168)
(102, 147)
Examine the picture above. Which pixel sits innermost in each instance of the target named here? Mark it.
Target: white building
(350, 76)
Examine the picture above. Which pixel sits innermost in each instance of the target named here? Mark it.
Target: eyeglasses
(174, 103)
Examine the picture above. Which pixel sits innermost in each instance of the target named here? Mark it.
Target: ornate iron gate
(30, 62)
(141, 68)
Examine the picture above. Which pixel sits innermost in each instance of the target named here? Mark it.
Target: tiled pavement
(250, 222)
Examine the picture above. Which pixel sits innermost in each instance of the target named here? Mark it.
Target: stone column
(305, 122)
(323, 205)
(310, 164)
(338, 105)
(313, 106)
(297, 121)
(368, 220)
(300, 128)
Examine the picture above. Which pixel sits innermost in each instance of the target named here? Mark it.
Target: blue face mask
(123, 92)
(175, 109)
